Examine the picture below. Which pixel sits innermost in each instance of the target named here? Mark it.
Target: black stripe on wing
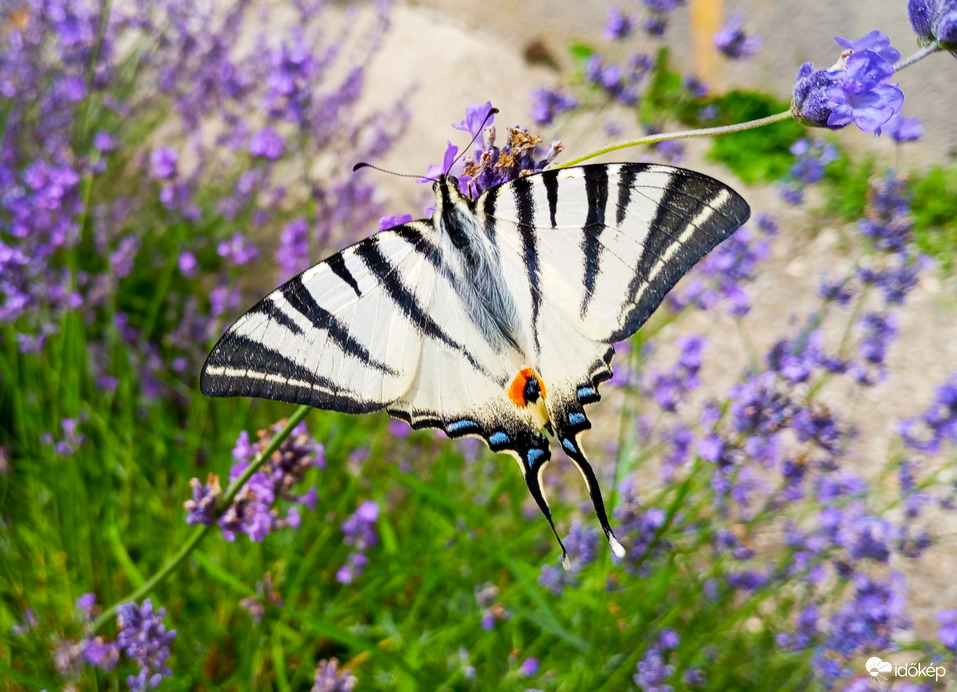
(695, 214)
(338, 266)
(596, 193)
(525, 205)
(368, 251)
(302, 301)
(240, 366)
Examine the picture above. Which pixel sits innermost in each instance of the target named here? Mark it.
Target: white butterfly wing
(336, 336)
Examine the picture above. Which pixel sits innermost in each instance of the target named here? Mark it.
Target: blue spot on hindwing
(586, 392)
(496, 439)
(533, 456)
(461, 427)
(576, 418)
(569, 446)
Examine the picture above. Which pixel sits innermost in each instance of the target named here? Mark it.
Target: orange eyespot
(525, 381)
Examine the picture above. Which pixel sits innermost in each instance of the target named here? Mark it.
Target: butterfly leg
(573, 450)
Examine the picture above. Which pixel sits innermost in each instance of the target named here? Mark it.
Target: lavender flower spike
(934, 20)
(853, 90)
(733, 42)
(144, 639)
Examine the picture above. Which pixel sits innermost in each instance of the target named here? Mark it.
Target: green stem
(201, 531)
(932, 47)
(687, 134)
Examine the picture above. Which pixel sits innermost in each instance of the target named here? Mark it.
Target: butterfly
(494, 318)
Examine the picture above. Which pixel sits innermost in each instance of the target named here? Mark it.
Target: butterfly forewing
(334, 337)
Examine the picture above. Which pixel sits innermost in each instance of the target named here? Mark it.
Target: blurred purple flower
(267, 144)
(695, 87)
(238, 249)
(529, 667)
(888, 221)
(104, 141)
(732, 41)
(947, 634)
(359, 532)
(853, 90)
(938, 422)
(144, 639)
(188, 266)
(164, 162)
(671, 150)
(618, 25)
(293, 252)
(653, 671)
(330, 679)
(902, 129)
(546, 104)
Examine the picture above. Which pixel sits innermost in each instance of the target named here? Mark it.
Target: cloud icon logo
(875, 666)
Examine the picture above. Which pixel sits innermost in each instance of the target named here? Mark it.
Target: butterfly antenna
(363, 164)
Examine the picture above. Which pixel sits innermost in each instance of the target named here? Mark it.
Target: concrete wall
(794, 31)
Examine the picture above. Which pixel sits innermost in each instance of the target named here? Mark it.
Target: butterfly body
(494, 318)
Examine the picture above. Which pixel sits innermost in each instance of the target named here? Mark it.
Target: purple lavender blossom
(360, 533)
(869, 621)
(488, 165)
(202, 507)
(653, 670)
(671, 387)
(671, 150)
(853, 90)
(293, 253)
(387, 222)
(238, 250)
(938, 422)
(888, 222)
(267, 144)
(330, 679)
(732, 41)
(902, 129)
(934, 20)
(529, 667)
(618, 25)
(548, 103)
(164, 162)
(254, 511)
(947, 634)
(144, 639)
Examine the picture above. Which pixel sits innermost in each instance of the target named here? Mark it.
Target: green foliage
(848, 186)
(108, 516)
(934, 203)
(755, 156)
(664, 96)
(935, 214)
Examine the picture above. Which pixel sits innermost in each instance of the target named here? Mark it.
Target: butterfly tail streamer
(575, 453)
(533, 479)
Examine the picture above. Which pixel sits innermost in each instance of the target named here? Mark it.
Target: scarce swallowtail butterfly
(494, 318)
